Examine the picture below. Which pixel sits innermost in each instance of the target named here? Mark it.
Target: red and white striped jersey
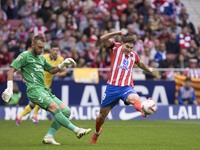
(193, 72)
(121, 66)
(39, 30)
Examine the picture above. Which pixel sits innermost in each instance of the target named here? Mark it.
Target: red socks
(137, 105)
(99, 123)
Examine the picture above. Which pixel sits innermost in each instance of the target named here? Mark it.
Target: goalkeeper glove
(66, 62)
(8, 93)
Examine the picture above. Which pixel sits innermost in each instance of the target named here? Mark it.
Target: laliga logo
(184, 112)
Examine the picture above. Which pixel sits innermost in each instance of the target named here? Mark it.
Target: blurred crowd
(164, 35)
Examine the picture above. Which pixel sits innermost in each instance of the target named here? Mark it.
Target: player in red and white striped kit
(120, 82)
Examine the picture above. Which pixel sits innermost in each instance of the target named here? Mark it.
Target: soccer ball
(149, 106)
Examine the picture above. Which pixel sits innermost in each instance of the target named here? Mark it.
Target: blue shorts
(113, 94)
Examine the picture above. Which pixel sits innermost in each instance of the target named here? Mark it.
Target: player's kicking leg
(134, 99)
(61, 116)
(81, 132)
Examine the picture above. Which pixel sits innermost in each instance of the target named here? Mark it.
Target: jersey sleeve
(137, 57)
(47, 65)
(19, 61)
(114, 46)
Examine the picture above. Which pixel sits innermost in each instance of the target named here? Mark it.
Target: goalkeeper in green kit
(32, 65)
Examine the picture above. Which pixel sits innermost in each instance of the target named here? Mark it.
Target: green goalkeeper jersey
(32, 68)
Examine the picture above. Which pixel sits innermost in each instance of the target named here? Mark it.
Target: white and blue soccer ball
(149, 106)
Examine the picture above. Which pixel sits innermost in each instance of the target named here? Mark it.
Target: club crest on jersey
(125, 62)
(124, 65)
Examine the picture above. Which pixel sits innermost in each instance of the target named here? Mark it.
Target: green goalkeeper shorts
(42, 97)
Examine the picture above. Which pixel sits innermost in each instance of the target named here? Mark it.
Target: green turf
(116, 135)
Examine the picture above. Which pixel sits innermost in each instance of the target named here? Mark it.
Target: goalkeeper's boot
(95, 137)
(35, 120)
(18, 121)
(82, 132)
(49, 140)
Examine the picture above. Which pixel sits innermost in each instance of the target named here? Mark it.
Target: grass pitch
(116, 135)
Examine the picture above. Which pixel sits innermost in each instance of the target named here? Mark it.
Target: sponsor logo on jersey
(19, 57)
(39, 68)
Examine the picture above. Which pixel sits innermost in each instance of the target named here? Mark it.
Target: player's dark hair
(128, 39)
(38, 37)
(54, 45)
(188, 79)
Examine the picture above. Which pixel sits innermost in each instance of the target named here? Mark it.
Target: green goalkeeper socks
(55, 125)
(64, 121)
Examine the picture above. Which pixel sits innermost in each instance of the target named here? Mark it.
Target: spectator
(186, 94)
(172, 45)
(10, 9)
(40, 28)
(154, 20)
(98, 63)
(174, 28)
(166, 63)
(21, 47)
(3, 16)
(51, 23)
(155, 75)
(145, 57)
(198, 56)
(181, 61)
(30, 21)
(192, 49)
(91, 53)
(83, 44)
(193, 71)
(197, 36)
(5, 61)
(183, 13)
(123, 21)
(185, 22)
(59, 31)
(5, 58)
(140, 26)
(184, 38)
(46, 10)
(161, 53)
(143, 10)
(26, 9)
(139, 45)
(90, 29)
(163, 34)
(5, 31)
(177, 5)
(21, 33)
